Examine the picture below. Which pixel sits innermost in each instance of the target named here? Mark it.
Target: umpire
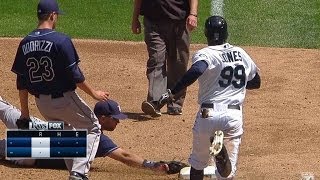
(167, 24)
(46, 65)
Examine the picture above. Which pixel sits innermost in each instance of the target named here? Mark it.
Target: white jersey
(225, 79)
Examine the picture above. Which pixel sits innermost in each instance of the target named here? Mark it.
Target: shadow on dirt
(41, 164)
(139, 117)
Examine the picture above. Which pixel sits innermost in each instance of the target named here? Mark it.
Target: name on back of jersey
(231, 56)
(37, 45)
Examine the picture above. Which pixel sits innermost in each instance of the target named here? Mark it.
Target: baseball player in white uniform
(224, 73)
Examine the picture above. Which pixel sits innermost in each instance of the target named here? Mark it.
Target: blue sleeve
(195, 71)
(21, 82)
(68, 53)
(19, 68)
(106, 146)
(71, 60)
(76, 74)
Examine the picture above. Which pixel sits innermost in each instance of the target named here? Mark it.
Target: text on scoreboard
(46, 144)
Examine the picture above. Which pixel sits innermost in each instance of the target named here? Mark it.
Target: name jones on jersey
(231, 56)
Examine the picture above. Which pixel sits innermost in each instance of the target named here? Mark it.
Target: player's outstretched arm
(133, 160)
(97, 95)
(195, 71)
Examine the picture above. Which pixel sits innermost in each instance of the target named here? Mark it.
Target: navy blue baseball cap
(109, 108)
(48, 6)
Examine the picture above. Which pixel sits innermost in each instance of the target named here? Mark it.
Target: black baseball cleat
(220, 153)
(77, 176)
(223, 162)
(150, 108)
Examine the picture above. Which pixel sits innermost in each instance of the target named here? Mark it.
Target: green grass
(285, 23)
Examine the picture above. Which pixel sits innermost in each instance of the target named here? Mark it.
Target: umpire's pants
(168, 48)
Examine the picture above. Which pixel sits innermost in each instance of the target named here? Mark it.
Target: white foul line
(217, 7)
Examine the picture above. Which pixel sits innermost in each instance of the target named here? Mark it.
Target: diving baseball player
(109, 115)
(46, 65)
(224, 72)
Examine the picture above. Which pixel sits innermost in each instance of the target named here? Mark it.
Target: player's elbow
(123, 156)
(255, 83)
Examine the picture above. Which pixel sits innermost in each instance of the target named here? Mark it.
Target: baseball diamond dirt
(281, 120)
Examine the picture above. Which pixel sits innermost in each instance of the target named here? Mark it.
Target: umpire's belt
(211, 105)
(53, 95)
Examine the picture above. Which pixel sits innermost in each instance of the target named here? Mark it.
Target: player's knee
(196, 174)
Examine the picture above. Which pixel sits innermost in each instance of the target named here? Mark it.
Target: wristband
(148, 164)
(195, 15)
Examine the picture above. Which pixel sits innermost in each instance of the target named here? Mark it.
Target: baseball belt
(211, 105)
(53, 95)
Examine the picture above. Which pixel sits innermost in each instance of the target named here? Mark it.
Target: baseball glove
(23, 123)
(174, 167)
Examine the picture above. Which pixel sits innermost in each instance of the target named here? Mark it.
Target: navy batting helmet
(216, 30)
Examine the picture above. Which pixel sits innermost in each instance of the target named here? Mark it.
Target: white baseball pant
(227, 120)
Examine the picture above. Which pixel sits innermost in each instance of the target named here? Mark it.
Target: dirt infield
(282, 127)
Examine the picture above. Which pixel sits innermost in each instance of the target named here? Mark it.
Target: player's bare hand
(192, 22)
(161, 168)
(101, 95)
(136, 26)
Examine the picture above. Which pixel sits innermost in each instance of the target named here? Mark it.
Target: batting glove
(165, 98)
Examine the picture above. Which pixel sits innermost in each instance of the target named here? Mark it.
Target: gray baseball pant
(168, 49)
(74, 111)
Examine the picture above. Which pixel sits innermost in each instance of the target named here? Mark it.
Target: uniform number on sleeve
(40, 70)
(233, 76)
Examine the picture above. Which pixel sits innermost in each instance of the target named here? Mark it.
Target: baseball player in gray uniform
(109, 115)
(224, 73)
(9, 115)
(46, 65)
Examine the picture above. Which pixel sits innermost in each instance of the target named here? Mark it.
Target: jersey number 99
(235, 76)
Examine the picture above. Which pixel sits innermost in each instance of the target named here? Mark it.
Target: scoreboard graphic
(46, 144)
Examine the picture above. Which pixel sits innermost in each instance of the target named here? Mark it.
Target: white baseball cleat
(216, 143)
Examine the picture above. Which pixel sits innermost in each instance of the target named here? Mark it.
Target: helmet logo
(216, 36)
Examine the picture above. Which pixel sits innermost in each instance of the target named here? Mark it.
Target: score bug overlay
(50, 125)
(53, 144)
